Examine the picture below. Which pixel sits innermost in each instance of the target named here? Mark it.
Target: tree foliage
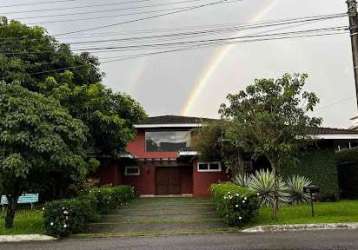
(40, 63)
(37, 136)
(271, 118)
(29, 55)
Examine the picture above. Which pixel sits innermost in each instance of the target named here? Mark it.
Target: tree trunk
(10, 210)
(275, 203)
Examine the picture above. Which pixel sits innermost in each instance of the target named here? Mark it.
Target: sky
(195, 82)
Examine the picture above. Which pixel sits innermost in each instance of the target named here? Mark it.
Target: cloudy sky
(196, 81)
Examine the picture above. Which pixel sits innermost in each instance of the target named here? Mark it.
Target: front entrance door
(167, 181)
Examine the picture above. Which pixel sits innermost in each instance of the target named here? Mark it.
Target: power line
(336, 28)
(38, 3)
(97, 11)
(206, 29)
(75, 7)
(102, 17)
(147, 18)
(225, 29)
(183, 49)
(188, 42)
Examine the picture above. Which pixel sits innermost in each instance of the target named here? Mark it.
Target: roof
(331, 131)
(176, 121)
(172, 121)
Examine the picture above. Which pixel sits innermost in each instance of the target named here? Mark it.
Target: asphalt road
(328, 240)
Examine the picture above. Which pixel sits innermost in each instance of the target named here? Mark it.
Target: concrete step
(150, 228)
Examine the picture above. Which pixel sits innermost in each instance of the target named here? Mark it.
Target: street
(335, 240)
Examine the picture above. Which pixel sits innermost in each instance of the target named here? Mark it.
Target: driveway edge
(301, 227)
(25, 238)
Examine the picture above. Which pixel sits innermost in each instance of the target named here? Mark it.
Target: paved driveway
(311, 240)
(161, 216)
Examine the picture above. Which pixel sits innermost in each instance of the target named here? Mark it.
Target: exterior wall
(143, 183)
(110, 174)
(137, 148)
(203, 180)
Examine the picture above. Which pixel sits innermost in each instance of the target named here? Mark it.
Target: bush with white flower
(64, 217)
(237, 205)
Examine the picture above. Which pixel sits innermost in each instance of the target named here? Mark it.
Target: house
(160, 161)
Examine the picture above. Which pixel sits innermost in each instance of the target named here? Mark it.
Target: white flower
(236, 205)
(258, 194)
(65, 212)
(237, 195)
(65, 226)
(43, 209)
(51, 224)
(245, 198)
(243, 201)
(240, 218)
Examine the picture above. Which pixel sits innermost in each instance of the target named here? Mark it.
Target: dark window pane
(203, 166)
(132, 171)
(214, 166)
(167, 141)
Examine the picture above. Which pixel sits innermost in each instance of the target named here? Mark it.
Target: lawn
(26, 222)
(325, 212)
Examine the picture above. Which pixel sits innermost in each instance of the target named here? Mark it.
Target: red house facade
(159, 161)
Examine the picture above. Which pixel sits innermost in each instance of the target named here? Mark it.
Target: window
(132, 171)
(167, 141)
(209, 167)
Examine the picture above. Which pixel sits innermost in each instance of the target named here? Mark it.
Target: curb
(301, 227)
(25, 238)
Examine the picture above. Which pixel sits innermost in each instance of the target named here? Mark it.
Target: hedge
(64, 217)
(320, 166)
(347, 164)
(237, 205)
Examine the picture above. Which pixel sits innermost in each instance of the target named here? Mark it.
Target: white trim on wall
(209, 170)
(184, 125)
(131, 174)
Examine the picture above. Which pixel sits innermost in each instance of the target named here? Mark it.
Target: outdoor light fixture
(311, 189)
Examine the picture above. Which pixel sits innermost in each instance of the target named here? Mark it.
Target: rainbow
(215, 62)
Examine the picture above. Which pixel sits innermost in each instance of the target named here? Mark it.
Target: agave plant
(242, 180)
(263, 183)
(295, 186)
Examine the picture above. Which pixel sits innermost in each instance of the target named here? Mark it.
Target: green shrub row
(237, 205)
(64, 217)
(320, 166)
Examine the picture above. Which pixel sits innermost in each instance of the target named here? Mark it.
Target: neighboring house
(159, 161)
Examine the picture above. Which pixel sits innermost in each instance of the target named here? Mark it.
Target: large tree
(40, 63)
(38, 137)
(271, 119)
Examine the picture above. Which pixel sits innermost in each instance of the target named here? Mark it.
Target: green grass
(325, 212)
(26, 222)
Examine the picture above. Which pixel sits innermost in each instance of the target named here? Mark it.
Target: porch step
(180, 219)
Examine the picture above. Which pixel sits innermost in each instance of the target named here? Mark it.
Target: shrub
(64, 217)
(263, 184)
(237, 205)
(108, 198)
(295, 186)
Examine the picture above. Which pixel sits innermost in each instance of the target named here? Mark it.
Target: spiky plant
(263, 183)
(295, 186)
(242, 180)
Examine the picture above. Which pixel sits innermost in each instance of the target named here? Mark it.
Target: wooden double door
(168, 180)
